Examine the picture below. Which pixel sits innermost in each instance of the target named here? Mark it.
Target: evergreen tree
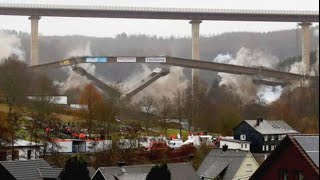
(159, 172)
(75, 168)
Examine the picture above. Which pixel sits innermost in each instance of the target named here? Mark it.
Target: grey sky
(110, 27)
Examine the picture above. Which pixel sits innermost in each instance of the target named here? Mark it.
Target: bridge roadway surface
(21, 9)
(174, 61)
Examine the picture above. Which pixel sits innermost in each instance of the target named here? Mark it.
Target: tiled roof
(217, 161)
(235, 141)
(272, 127)
(310, 144)
(49, 172)
(183, 171)
(178, 171)
(22, 170)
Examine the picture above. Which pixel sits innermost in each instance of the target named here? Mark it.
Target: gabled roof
(218, 161)
(91, 171)
(307, 145)
(23, 143)
(49, 172)
(178, 171)
(310, 146)
(271, 127)
(236, 141)
(183, 171)
(22, 170)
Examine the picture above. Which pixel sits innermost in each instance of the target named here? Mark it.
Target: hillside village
(225, 106)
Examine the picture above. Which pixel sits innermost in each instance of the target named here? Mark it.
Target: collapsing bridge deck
(174, 61)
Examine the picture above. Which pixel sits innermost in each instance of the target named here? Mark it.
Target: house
(78, 145)
(28, 169)
(296, 157)
(264, 135)
(23, 150)
(235, 144)
(178, 171)
(227, 164)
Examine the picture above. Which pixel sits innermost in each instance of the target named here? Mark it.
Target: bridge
(175, 61)
(157, 13)
(196, 16)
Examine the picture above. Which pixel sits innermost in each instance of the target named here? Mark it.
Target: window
(283, 174)
(29, 154)
(279, 137)
(272, 138)
(301, 176)
(241, 146)
(263, 148)
(298, 175)
(267, 147)
(249, 168)
(245, 146)
(243, 137)
(265, 138)
(272, 147)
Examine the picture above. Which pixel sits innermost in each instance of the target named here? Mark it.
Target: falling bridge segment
(174, 61)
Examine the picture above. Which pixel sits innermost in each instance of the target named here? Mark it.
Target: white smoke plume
(164, 86)
(242, 84)
(10, 44)
(75, 80)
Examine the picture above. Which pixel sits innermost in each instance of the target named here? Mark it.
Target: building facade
(297, 158)
(235, 144)
(264, 135)
(227, 164)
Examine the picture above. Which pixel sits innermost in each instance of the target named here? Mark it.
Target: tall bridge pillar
(306, 43)
(195, 72)
(34, 40)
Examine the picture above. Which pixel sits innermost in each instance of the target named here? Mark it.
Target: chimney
(259, 120)
(224, 148)
(121, 163)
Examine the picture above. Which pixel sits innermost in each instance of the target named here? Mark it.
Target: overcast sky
(111, 27)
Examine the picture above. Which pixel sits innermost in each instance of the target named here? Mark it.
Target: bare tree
(179, 102)
(187, 109)
(14, 79)
(147, 104)
(106, 112)
(42, 107)
(90, 97)
(164, 110)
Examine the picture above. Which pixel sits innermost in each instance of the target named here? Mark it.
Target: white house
(235, 144)
(78, 145)
(23, 150)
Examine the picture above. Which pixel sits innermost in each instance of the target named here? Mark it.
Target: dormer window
(243, 137)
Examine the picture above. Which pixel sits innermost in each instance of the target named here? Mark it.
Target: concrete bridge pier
(195, 54)
(306, 43)
(34, 40)
(195, 72)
